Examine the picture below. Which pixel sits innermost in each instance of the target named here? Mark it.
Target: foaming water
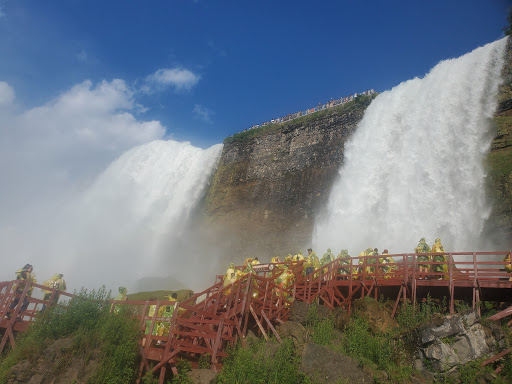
(129, 222)
(414, 167)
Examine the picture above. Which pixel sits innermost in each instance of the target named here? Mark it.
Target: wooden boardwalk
(220, 316)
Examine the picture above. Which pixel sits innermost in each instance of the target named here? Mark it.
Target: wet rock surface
(460, 339)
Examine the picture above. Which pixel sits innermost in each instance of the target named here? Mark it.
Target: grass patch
(358, 103)
(162, 295)
(254, 364)
(409, 318)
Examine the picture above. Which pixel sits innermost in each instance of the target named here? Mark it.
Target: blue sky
(207, 69)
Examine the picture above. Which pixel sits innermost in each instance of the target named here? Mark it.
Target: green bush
(360, 342)
(408, 318)
(323, 332)
(254, 364)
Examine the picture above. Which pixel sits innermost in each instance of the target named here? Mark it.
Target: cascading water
(131, 218)
(414, 166)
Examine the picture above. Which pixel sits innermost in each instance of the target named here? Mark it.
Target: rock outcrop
(458, 340)
(499, 161)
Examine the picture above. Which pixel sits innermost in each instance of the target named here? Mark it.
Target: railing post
(451, 285)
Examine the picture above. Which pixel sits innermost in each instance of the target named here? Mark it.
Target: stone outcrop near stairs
(454, 340)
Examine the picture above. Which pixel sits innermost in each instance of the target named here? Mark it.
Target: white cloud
(177, 78)
(6, 94)
(50, 154)
(203, 113)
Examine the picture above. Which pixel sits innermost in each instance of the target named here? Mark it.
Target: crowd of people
(431, 264)
(331, 103)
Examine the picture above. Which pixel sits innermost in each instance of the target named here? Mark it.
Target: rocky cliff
(272, 181)
(499, 161)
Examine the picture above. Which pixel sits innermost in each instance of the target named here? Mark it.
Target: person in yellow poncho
(439, 268)
(423, 247)
(25, 275)
(364, 260)
(346, 261)
(508, 265)
(284, 280)
(55, 282)
(166, 311)
(230, 277)
(388, 264)
(312, 262)
(298, 256)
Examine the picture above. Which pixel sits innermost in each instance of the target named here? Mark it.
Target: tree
(508, 29)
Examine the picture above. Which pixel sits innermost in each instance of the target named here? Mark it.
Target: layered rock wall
(499, 163)
(268, 187)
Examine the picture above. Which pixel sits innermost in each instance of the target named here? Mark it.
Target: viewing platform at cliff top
(260, 298)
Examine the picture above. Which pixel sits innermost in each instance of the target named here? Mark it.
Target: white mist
(126, 224)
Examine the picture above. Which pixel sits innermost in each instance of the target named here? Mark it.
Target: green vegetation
(111, 340)
(359, 102)
(253, 365)
(162, 295)
(409, 318)
(508, 29)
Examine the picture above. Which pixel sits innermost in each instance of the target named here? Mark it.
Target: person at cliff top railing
(389, 264)
(423, 248)
(55, 282)
(25, 275)
(439, 268)
(344, 259)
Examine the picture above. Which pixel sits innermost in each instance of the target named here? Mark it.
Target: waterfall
(127, 224)
(414, 167)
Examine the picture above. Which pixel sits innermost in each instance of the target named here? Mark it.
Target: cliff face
(267, 188)
(499, 162)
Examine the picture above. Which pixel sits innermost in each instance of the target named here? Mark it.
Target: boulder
(379, 319)
(326, 366)
(458, 340)
(202, 376)
(295, 331)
